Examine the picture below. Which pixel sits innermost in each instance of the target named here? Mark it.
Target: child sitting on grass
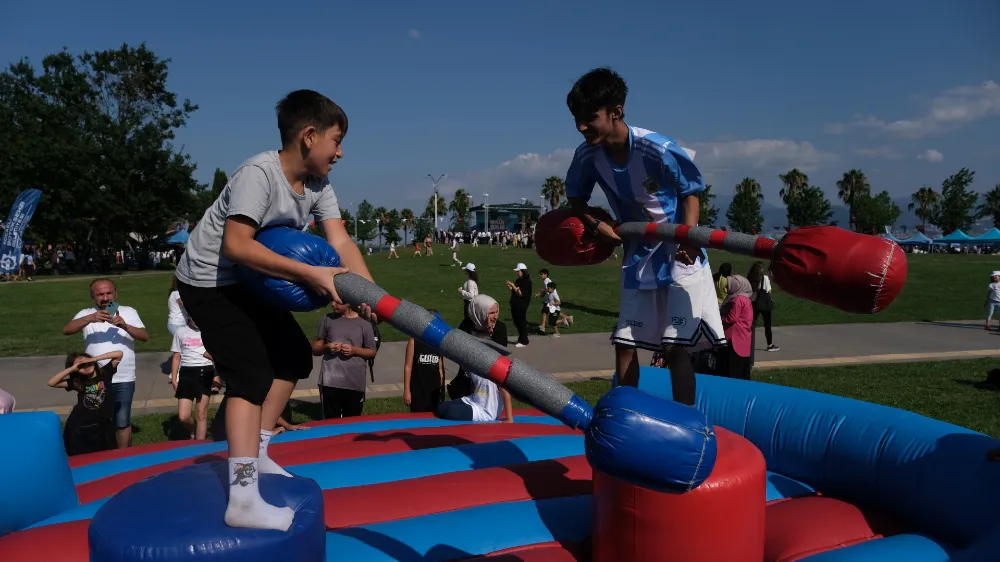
(90, 427)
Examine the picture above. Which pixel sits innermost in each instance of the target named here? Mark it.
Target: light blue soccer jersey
(658, 175)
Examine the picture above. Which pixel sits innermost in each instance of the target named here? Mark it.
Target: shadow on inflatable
(844, 480)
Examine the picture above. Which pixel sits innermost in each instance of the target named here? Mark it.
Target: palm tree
(381, 217)
(442, 208)
(851, 189)
(459, 207)
(407, 221)
(924, 202)
(991, 205)
(749, 186)
(795, 183)
(554, 189)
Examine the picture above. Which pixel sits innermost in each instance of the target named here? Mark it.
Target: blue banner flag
(13, 232)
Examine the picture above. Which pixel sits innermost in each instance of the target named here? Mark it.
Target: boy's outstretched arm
(350, 255)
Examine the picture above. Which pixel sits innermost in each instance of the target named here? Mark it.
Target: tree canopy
(95, 133)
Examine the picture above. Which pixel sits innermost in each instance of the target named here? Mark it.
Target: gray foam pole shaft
(699, 236)
(540, 389)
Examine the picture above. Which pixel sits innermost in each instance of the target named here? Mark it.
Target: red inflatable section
(65, 542)
(830, 265)
(560, 239)
(377, 503)
(721, 520)
(802, 527)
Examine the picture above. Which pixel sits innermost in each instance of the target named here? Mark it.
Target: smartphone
(111, 309)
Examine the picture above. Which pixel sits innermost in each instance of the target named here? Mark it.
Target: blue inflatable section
(35, 470)
(178, 515)
(899, 548)
(366, 471)
(650, 442)
(96, 471)
(473, 531)
(927, 472)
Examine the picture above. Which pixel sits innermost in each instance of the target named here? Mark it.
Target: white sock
(267, 466)
(246, 507)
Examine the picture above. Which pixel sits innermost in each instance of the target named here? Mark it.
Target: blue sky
(907, 91)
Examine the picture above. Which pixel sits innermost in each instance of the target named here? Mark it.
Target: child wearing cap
(992, 297)
(470, 288)
(520, 298)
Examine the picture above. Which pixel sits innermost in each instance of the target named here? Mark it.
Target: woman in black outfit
(520, 298)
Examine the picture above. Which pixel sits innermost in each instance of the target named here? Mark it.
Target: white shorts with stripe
(686, 313)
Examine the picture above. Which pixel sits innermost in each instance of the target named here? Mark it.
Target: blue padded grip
(35, 470)
(302, 247)
(650, 442)
(179, 515)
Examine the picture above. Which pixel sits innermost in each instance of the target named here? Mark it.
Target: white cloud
(760, 154)
(886, 152)
(951, 109)
(931, 155)
(414, 33)
(523, 175)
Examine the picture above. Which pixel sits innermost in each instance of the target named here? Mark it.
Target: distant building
(513, 217)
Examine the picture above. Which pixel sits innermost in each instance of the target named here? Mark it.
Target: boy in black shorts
(259, 350)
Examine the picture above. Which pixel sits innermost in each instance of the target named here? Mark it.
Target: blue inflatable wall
(35, 470)
(930, 473)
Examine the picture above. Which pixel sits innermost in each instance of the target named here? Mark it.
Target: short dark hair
(551, 285)
(306, 108)
(601, 88)
(543, 271)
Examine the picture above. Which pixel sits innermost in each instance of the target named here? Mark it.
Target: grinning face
(492, 317)
(322, 149)
(596, 128)
(103, 292)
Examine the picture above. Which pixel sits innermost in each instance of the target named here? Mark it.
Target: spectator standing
(109, 327)
(346, 342)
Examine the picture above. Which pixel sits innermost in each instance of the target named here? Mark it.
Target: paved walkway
(570, 358)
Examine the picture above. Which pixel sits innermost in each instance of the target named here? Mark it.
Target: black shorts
(194, 382)
(251, 342)
(425, 392)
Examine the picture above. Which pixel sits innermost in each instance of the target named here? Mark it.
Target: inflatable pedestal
(722, 519)
(179, 515)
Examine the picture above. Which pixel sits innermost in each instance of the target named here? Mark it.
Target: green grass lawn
(939, 287)
(941, 390)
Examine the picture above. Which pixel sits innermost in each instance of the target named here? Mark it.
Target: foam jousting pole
(540, 389)
(853, 272)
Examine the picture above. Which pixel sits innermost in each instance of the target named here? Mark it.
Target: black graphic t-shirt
(94, 402)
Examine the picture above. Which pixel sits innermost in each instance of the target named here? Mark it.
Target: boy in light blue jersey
(668, 299)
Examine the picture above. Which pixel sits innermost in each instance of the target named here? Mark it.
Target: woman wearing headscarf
(737, 322)
(483, 402)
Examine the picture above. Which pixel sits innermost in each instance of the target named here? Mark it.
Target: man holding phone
(110, 327)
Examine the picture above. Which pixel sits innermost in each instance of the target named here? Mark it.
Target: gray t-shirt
(258, 190)
(339, 371)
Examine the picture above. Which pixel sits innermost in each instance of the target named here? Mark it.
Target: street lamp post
(435, 182)
(541, 204)
(486, 210)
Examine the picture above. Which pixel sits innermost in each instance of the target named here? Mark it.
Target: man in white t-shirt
(454, 253)
(104, 332)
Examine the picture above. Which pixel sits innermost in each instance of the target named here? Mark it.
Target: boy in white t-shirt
(992, 297)
(554, 308)
(192, 374)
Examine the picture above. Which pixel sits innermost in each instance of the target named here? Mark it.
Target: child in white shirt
(555, 308)
(992, 297)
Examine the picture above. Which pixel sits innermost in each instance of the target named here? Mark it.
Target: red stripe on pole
(498, 372)
(649, 233)
(681, 234)
(763, 248)
(386, 306)
(717, 239)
